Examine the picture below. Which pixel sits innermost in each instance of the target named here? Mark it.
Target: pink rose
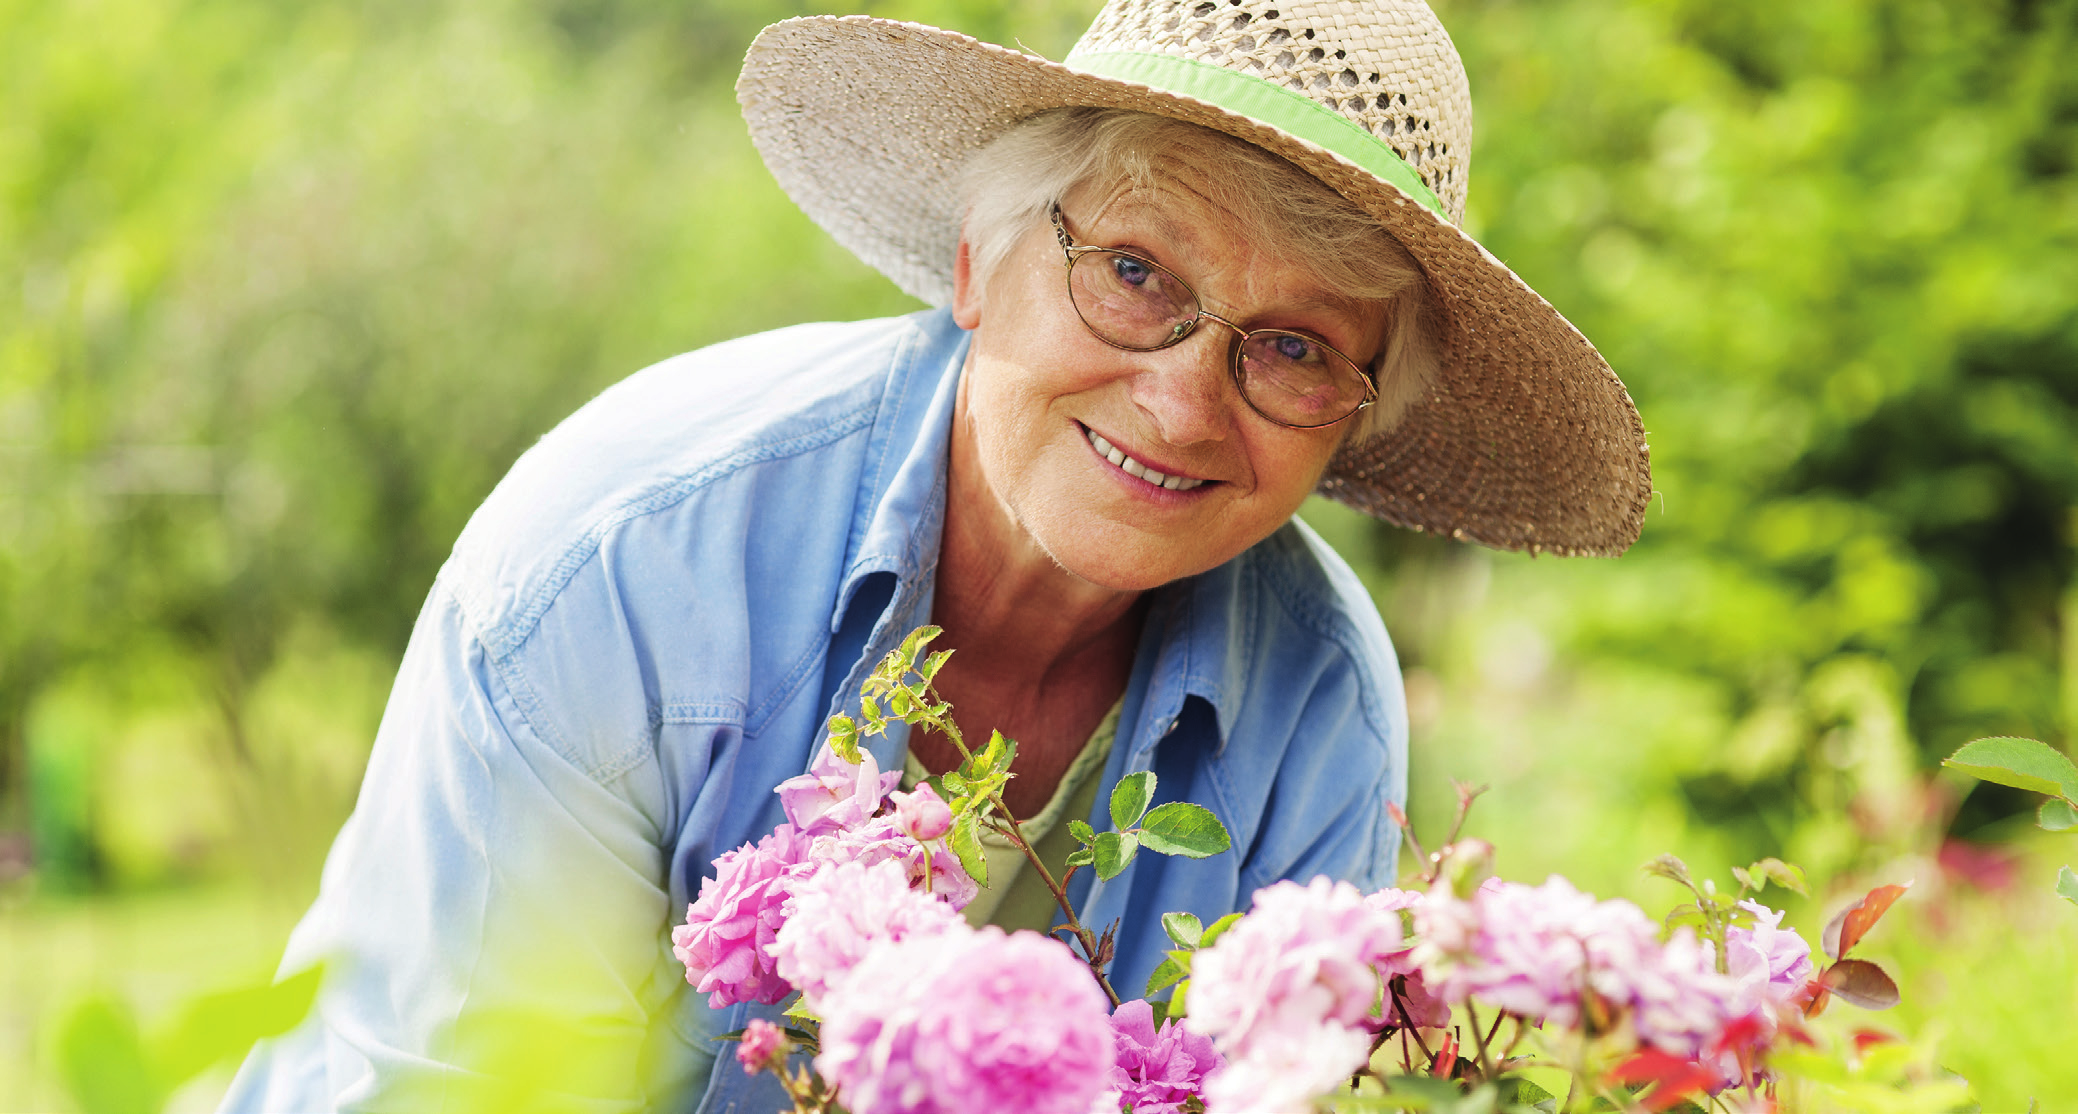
(923, 813)
(761, 1041)
(727, 932)
(834, 794)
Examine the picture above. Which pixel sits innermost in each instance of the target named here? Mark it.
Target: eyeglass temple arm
(1060, 231)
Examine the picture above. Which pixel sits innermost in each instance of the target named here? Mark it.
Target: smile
(1134, 468)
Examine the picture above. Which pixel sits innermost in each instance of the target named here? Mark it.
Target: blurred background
(286, 287)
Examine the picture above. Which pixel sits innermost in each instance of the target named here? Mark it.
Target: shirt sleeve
(492, 918)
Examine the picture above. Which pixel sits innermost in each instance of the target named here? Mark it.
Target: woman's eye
(1296, 349)
(1132, 272)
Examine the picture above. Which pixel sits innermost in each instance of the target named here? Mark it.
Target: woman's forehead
(1175, 217)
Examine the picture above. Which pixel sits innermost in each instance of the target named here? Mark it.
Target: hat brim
(1524, 439)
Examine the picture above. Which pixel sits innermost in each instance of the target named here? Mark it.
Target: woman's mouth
(1134, 468)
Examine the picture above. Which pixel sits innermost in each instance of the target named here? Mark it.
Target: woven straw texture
(1525, 440)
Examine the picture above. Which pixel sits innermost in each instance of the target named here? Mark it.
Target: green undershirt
(1017, 897)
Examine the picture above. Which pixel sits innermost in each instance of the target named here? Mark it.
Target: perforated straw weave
(1525, 439)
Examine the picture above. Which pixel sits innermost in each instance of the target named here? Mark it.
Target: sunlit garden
(289, 287)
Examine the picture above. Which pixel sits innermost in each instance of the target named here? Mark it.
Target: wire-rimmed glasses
(1129, 301)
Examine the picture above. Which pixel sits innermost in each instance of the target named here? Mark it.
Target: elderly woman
(1205, 268)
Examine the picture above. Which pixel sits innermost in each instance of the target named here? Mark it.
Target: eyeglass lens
(1138, 305)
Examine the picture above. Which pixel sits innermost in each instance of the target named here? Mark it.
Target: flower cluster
(731, 940)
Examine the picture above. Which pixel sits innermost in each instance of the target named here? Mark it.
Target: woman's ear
(966, 294)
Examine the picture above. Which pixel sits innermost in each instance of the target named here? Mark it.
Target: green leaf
(1083, 857)
(2056, 815)
(102, 1060)
(1217, 929)
(1184, 928)
(1114, 851)
(966, 843)
(844, 738)
(2067, 885)
(917, 640)
(1129, 799)
(1167, 975)
(955, 783)
(1783, 874)
(929, 669)
(898, 702)
(871, 708)
(219, 1027)
(1082, 832)
(1182, 828)
(2021, 763)
(799, 1008)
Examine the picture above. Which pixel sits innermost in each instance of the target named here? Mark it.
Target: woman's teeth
(1133, 467)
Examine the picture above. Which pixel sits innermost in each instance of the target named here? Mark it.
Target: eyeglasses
(1131, 302)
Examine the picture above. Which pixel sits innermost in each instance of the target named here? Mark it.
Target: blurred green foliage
(284, 288)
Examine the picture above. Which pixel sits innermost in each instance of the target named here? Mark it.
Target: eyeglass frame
(1072, 252)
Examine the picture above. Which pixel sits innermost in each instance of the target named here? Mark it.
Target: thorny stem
(1407, 1026)
(1466, 794)
(1014, 829)
(1428, 863)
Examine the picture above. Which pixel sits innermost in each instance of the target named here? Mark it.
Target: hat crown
(1387, 66)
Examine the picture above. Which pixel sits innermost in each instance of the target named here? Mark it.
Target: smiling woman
(1202, 271)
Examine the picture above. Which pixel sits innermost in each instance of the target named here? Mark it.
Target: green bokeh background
(285, 287)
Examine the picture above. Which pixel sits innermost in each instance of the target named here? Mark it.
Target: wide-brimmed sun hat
(1524, 439)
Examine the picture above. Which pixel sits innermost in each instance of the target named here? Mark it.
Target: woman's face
(1040, 389)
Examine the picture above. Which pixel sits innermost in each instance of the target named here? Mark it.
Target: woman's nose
(1187, 388)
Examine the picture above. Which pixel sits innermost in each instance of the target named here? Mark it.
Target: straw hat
(1525, 439)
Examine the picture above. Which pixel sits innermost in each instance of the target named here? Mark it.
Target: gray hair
(1011, 184)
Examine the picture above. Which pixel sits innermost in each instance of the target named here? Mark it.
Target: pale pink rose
(1286, 994)
(967, 1021)
(834, 794)
(729, 929)
(923, 813)
(835, 914)
(882, 840)
(761, 1039)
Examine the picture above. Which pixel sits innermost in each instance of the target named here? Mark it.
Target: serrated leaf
(1114, 850)
(2022, 763)
(1686, 914)
(898, 702)
(1082, 832)
(1670, 868)
(2056, 815)
(966, 843)
(799, 1008)
(1165, 976)
(1182, 828)
(932, 664)
(917, 640)
(1084, 857)
(1217, 929)
(2067, 885)
(871, 709)
(1861, 983)
(844, 738)
(1184, 928)
(954, 781)
(1129, 799)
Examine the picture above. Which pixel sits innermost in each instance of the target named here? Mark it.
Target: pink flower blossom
(881, 840)
(761, 1039)
(967, 1021)
(1534, 950)
(1770, 963)
(922, 813)
(836, 913)
(730, 927)
(1157, 1070)
(834, 794)
(1285, 994)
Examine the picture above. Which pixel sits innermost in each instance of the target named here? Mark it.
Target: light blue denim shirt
(644, 629)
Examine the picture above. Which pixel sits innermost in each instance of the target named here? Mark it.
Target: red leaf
(1862, 983)
(1743, 1032)
(1674, 1078)
(1847, 928)
(1865, 1039)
